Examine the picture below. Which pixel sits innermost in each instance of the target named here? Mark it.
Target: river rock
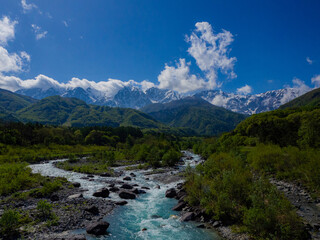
(132, 174)
(76, 184)
(180, 194)
(216, 224)
(171, 193)
(179, 186)
(106, 175)
(135, 191)
(121, 203)
(201, 226)
(104, 192)
(90, 176)
(179, 206)
(147, 188)
(126, 186)
(54, 197)
(187, 216)
(78, 195)
(97, 228)
(111, 185)
(93, 209)
(127, 195)
(127, 178)
(113, 189)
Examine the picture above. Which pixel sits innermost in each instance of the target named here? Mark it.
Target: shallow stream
(150, 211)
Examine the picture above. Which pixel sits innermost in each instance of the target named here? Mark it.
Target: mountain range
(132, 96)
(187, 116)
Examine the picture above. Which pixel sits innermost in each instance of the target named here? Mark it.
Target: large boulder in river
(127, 178)
(93, 209)
(121, 203)
(187, 216)
(104, 192)
(106, 174)
(97, 228)
(171, 193)
(127, 195)
(113, 189)
(76, 184)
(126, 186)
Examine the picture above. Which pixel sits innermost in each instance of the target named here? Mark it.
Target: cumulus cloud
(309, 60)
(27, 7)
(211, 51)
(38, 31)
(244, 90)
(6, 30)
(316, 80)
(12, 62)
(107, 89)
(178, 78)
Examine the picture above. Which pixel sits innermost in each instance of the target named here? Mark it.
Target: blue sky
(271, 42)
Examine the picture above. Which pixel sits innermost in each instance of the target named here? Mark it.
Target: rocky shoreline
(189, 213)
(71, 209)
(307, 207)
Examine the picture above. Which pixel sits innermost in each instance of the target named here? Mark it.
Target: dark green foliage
(171, 157)
(195, 113)
(226, 188)
(13, 102)
(296, 127)
(15, 177)
(57, 110)
(9, 223)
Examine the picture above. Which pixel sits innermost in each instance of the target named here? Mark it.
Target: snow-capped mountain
(251, 104)
(126, 97)
(132, 96)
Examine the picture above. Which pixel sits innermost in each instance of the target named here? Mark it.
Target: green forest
(233, 184)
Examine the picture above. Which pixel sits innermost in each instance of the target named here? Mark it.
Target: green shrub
(171, 157)
(9, 222)
(45, 212)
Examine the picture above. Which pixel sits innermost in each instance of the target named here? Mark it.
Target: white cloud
(27, 7)
(6, 30)
(309, 60)
(107, 89)
(12, 62)
(65, 23)
(210, 51)
(220, 100)
(25, 56)
(145, 85)
(299, 87)
(179, 78)
(316, 80)
(39, 33)
(244, 90)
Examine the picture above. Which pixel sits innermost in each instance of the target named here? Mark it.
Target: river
(150, 211)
